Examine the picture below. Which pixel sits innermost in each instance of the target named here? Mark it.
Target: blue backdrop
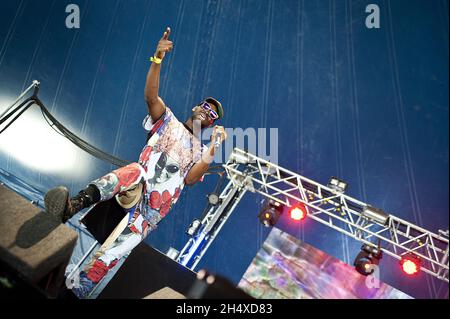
(367, 105)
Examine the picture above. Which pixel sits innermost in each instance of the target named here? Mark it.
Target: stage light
(367, 259)
(375, 214)
(213, 199)
(172, 253)
(298, 212)
(239, 158)
(270, 213)
(410, 264)
(337, 184)
(193, 227)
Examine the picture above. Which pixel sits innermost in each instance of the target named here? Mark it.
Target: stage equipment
(410, 264)
(334, 209)
(337, 184)
(270, 213)
(368, 257)
(298, 212)
(35, 248)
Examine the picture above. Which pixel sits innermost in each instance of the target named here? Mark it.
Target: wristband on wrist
(155, 60)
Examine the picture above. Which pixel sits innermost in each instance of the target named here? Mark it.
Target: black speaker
(148, 273)
(145, 272)
(212, 286)
(34, 248)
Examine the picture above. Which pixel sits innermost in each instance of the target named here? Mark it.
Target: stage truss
(326, 205)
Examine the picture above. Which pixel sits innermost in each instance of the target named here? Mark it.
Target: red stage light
(410, 264)
(298, 212)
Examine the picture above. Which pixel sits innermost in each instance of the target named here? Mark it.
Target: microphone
(218, 141)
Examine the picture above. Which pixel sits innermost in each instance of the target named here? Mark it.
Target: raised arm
(155, 104)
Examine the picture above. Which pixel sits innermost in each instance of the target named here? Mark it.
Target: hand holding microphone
(218, 136)
(218, 141)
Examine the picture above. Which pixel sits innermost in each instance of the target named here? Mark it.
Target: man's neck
(189, 124)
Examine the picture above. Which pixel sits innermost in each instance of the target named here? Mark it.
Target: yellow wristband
(155, 60)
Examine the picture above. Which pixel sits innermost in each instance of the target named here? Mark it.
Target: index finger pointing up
(166, 34)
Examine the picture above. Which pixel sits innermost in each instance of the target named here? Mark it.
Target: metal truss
(211, 224)
(326, 205)
(340, 212)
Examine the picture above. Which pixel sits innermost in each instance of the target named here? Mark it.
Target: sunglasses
(211, 113)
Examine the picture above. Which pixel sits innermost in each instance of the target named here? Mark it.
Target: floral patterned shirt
(169, 154)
